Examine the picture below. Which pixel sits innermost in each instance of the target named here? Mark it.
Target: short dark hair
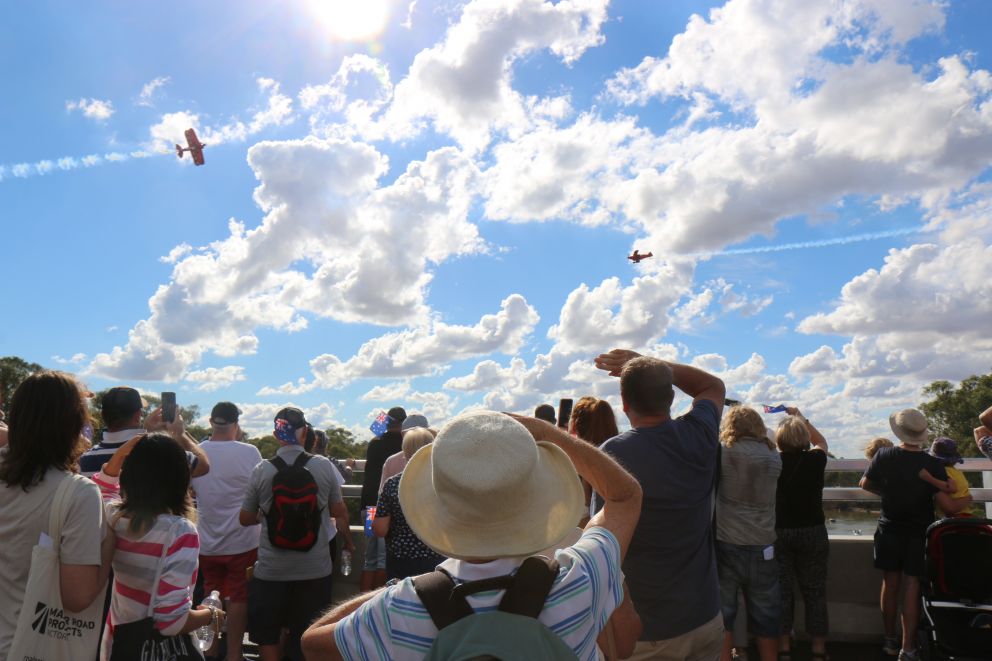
(545, 412)
(47, 414)
(398, 414)
(155, 480)
(118, 406)
(646, 386)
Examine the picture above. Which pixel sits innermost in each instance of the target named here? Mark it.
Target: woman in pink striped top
(150, 510)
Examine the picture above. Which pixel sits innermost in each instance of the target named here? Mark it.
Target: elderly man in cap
(295, 496)
(491, 491)
(907, 510)
(227, 549)
(121, 409)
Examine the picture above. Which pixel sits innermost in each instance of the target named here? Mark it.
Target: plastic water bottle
(204, 636)
(346, 562)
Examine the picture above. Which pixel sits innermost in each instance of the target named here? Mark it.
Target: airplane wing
(191, 140)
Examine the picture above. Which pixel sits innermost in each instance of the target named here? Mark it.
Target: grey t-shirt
(23, 517)
(745, 504)
(671, 565)
(275, 564)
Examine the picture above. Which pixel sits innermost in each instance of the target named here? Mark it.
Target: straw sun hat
(909, 426)
(484, 489)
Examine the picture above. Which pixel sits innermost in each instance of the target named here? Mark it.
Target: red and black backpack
(293, 521)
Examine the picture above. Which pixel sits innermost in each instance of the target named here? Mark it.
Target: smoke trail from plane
(67, 163)
(822, 243)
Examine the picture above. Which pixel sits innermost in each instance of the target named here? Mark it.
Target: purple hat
(946, 449)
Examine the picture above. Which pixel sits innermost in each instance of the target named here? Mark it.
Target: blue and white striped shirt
(589, 587)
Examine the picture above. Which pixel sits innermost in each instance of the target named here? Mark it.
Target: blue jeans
(743, 567)
(375, 552)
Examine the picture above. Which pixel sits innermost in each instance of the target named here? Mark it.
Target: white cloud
(215, 378)
(76, 359)
(92, 108)
(176, 253)
(346, 104)
(147, 95)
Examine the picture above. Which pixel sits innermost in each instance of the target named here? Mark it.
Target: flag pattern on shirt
(136, 559)
(589, 587)
(380, 424)
(774, 409)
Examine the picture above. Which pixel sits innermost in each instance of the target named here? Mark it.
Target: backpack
(293, 521)
(509, 633)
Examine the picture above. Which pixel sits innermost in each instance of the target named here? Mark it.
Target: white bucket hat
(909, 426)
(484, 489)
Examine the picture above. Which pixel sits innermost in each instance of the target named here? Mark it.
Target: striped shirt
(589, 587)
(135, 563)
(93, 459)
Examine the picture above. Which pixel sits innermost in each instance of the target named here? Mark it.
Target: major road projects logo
(56, 623)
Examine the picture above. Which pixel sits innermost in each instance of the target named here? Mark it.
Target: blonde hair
(876, 444)
(743, 422)
(414, 439)
(792, 435)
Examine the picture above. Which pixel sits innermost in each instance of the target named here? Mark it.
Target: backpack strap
(436, 592)
(301, 460)
(279, 463)
(531, 585)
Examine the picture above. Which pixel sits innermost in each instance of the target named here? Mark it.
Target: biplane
(637, 257)
(193, 146)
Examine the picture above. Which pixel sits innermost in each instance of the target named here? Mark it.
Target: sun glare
(352, 20)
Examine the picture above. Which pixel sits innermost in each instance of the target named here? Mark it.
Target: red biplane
(193, 146)
(637, 257)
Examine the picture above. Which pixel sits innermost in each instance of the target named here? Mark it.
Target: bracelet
(214, 619)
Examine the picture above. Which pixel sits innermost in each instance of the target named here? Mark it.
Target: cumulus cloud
(91, 108)
(215, 378)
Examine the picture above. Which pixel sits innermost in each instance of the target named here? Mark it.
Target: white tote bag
(45, 630)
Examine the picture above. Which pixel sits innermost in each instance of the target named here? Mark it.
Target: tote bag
(141, 640)
(45, 630)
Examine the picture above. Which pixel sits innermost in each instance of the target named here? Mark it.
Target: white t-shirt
(23, 517)
(218, 498)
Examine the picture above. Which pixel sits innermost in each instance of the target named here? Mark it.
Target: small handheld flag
(774, 409)
(380, 424)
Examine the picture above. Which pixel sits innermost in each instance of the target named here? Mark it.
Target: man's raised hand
(614, 361)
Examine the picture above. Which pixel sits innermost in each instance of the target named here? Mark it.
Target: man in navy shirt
(671, 566)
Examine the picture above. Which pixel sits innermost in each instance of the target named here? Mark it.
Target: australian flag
(380, 424)
(774, 409)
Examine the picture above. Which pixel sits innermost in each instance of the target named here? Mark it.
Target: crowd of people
(498, 534)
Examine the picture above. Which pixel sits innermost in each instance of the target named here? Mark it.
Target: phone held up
(169, 406)
(564, 412)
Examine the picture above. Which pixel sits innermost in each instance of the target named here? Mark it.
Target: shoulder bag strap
(436, 591)
(57, 515)
(531, 585)
(169, 539)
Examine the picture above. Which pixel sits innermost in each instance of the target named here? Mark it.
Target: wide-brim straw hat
(484, 489)
(909, 426)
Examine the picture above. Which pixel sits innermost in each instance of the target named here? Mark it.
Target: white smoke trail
(822, 243)
(68, 163)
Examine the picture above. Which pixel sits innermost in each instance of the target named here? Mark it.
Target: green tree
(188, 413)
(341, 444)
(13, 370)
(953, 412)
(267, 445)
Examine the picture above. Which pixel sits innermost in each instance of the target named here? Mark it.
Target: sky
(430, 204)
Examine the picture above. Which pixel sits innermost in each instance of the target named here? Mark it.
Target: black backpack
(293, 521)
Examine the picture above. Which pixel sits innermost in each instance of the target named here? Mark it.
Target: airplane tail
(179, 151)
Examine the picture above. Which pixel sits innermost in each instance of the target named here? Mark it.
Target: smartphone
(169, 406)
(564, 412)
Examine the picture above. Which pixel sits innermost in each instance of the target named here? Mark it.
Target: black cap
(224, 413)
(120, 403)
(545, 412)
(293, 416)
(397, 413)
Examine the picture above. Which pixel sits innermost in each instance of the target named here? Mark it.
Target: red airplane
(194, 147)
(637, 257)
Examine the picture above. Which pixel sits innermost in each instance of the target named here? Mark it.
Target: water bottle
(346, 562)
(204, 636)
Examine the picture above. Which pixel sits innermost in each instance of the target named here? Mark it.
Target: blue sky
(430, 203)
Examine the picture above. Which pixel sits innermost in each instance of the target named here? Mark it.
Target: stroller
(957, 590)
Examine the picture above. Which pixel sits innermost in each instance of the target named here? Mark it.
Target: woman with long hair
(745, 529)
(150, 509)
(46, 419)
(594, 422)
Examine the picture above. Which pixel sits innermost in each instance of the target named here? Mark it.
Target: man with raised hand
(489, 493)
(671, 565)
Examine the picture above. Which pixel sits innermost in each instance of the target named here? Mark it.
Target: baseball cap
(224, 413)
(397, 414)
(121, 402)
(415, 420)
(293, 416)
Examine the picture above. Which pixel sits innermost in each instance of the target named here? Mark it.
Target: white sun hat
(909, 426)
(484, 489)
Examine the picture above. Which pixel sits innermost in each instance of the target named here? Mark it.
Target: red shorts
(228, 574)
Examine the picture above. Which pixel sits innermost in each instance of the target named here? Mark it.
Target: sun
(351, 20)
